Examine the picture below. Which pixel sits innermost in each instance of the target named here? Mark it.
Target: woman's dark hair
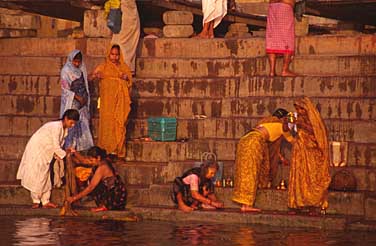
(78, 56)
(205, 167)
(71, 114)
(280, 113)
(116, 46)
(96, 151)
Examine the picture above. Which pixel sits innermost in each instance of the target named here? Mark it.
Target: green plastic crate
(162, 128)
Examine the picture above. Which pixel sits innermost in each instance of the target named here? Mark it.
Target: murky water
(79, 231)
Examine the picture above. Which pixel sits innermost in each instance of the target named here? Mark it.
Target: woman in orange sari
(309, 171)
(115, 83)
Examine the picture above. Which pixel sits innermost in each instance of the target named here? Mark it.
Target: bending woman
(309, 172)
(105, 186)
(195, 187)
(252, 165)
(75, 95)
(115, 83)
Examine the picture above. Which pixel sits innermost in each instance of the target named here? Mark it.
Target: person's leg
(36, 199)
(286, 64)
(205, 31)
(45, 199)
(272, 61)
(182, 206)
(211, 29)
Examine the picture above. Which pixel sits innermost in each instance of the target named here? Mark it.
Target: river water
(81, 231)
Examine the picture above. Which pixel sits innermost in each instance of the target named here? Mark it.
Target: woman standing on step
(105, 185)
(195, 187)
(114, 87)
(309, 172)
(76, 95)
(252, 163)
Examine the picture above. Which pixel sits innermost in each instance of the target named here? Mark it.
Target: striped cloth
(280, 29)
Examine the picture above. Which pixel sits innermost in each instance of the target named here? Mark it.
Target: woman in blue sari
(75, 95)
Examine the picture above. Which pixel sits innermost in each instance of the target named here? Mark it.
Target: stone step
(340, 203)
(330, 108)
(186, 47)
(17, 33)
(213, 68)
(314, 86)
(360, 108)
(235, 128)
(44, 66)
(359, 154)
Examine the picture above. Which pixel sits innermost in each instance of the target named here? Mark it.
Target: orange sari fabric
(309, 171)
(114, 106)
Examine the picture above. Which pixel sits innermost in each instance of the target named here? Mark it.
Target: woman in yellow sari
(309, 171)
(115, 83)
(252, 164)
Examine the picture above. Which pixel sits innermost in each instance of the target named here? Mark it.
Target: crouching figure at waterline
(195, 188)
(105, 186)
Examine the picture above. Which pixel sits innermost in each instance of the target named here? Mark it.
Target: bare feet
(246, 208)
(35, 205)
(50, 205)
(185, 208)
(288, 73)
(207, 206)
(99, 209)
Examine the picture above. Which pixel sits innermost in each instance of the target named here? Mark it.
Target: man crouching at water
(44, 146)
(195, 187)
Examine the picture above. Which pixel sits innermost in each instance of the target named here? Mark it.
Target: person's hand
(70, 150)
(217, 204)
(124, 76)
(70, 199)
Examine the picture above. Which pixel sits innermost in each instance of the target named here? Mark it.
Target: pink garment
(280, 29)
(192, 180)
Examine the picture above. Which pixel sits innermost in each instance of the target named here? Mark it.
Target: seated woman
(195, 187)
(105, 186)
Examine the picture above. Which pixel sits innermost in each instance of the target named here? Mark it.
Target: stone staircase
(223, 79)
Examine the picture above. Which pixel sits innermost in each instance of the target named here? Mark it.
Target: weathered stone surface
(30, 85)
(310, 65)
(255, 47)
(17, 33)
(43, 66)
(238, 27)
(97, 47)
(330, 108)
(95, 24)
(355, 86)
(178, 18)
(30, 105)
(301, 28)
(177, 31)
(19, 21)
(18, 126)
(8, 170)
(370, 208)
(39, 46)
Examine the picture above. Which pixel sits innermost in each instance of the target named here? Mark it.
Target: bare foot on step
(246, 208)
(50, 205)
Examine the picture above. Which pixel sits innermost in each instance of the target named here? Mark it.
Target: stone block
(238, 27)
(30, 85)
(95, 24)
(31, 65)
(348, 203)
(6, 126)
(178, 18)
(12, 148)
(97, 47)
(361, 154)
(54, 27)
(177, 31)
(370, 208)
(302, 27)
(8, 171)
(57, 47)
(17, 33)
(19, 21)
(31, 105)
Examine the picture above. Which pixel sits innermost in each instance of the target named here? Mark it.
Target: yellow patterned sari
(114, 106)
(309, 171)
(252, 165)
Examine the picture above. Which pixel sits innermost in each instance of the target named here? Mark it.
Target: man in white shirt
(44, 145)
